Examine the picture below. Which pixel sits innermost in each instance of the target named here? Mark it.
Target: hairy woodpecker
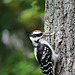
(43, 52)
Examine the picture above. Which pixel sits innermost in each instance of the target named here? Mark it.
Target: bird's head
(36, 35)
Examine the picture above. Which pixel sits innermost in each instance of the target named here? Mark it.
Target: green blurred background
(18, 18)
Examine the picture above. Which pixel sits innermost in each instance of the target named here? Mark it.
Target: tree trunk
(60, 18)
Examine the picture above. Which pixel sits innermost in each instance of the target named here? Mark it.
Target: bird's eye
(34, 35)
(39, 34)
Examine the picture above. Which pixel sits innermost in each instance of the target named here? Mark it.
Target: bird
(43, 51)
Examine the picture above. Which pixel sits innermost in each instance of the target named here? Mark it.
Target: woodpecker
(43, 52)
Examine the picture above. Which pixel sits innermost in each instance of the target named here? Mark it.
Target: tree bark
(60, 18)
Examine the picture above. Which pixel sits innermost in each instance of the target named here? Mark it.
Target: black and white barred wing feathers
(44, 57)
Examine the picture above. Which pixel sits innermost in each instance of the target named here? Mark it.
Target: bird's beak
(51, 33)
(48, 34)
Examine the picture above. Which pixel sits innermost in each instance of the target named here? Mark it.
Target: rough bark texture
(60, 18)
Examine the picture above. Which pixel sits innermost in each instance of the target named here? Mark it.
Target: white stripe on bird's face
(34, 40)
(37, 32)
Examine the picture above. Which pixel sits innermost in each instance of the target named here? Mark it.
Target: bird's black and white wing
(44, 56)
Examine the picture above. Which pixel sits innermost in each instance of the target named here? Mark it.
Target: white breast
(35, 53)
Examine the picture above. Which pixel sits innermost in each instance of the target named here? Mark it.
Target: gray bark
(60, 18)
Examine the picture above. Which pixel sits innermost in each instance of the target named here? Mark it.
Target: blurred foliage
(17, 19)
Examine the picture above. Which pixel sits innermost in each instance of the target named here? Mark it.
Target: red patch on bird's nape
(37, 30)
